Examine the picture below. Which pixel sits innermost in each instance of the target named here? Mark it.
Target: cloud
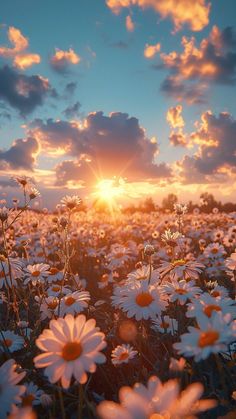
(174, 117)
(215, 159)
(22, 92)
(151, 50)
(72, 111)
(21, 59)
(114, 145)
(192, 69)
(129, 24)
(24, 61)
(70, 88)
(21, 155)
(195, 14)
(62, 60)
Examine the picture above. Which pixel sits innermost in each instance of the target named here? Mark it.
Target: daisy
(49, 307)
(36, 273)
(32, 395)
(16, 272)
(71, 347)
(181, 269)
(142, 301)
(122, 354)
(10, 392)
(145, 273)
(171, 238)
(165, 325)
(156, 401)
(54, 274)
(74, 303)
(214, 250)
(206, 305)
(230, 262)
(180, 291)
(10, 341)
(71, 202)
(55, 290)
(212, 336)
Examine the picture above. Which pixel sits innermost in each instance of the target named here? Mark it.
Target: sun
(108, 191)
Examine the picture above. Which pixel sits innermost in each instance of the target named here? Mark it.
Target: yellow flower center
(209, 309)
(164, 325)
(180, 291)
(215, 294)
(208, 338)
(179, 262)
(214, 250)
(35, 274)
(52, 305)
(123, 356)
(53, 271)
(6, 342)
(144, 299)
(69, 301)
(71, 351)
(28, 400)
(56, 288)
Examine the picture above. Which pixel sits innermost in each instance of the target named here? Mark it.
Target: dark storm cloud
(22, 92)
(20, 155)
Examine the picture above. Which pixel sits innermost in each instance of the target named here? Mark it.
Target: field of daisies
(116, 316)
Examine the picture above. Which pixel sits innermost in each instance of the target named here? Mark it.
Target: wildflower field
(119, 316)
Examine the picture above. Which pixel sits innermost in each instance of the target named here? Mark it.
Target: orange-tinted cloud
(113, 145)
(194, 14)
(151, 50)
(174, 117)
(21, 155)
(61, 60)
(215, 159)
(129, 24)
(21, 59)
(24, 61)
(192, 69)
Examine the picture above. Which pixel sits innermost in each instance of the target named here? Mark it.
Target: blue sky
(113, 75)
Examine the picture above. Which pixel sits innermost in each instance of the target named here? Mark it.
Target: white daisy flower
(181, 269)
(32, 395)
(206, 305)
(71, 348)
(10, 341)
(180, 291)
(122, 354)
(10, 392)
(142, 301)
(214, 251)
(71, 202)
(212, 336)
(145, 273)
(156, 401)
(165, 325)
(74, 303)
(36, 273)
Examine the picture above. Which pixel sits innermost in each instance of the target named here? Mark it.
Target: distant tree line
(206, 204)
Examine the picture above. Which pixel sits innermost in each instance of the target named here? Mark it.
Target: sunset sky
(140, 90)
